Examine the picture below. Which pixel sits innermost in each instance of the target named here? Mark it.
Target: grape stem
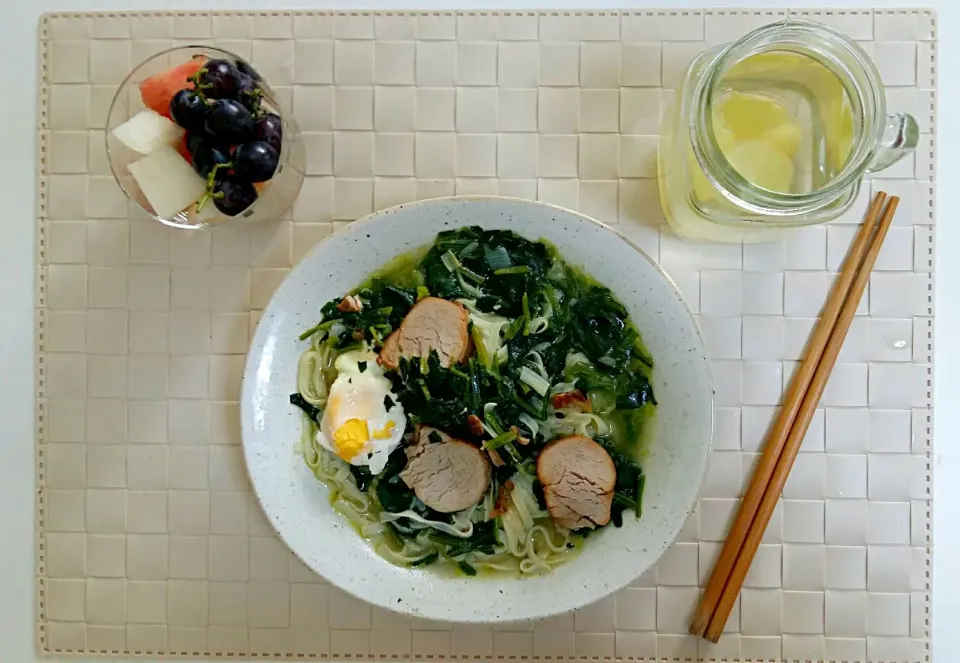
(198, 87)
(211, 179)
(257, 95)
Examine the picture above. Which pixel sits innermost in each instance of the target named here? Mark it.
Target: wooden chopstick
(807, 409)
(777, 436)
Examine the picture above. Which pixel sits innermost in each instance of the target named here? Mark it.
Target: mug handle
(900, 136)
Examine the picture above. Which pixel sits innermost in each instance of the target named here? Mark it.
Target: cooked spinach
(427, 560)
(489, 252)
(309, 409)
(628, 490)
(362, 476)
(483, 539)
(383, 306)
(392, 493)
(626, 387)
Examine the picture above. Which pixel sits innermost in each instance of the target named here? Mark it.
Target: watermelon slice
(183, 150)
(158, 90)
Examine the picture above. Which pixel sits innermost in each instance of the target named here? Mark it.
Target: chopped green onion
(519, 269)
(640, 483)
(512, 452)
(310, 332)
(527, 406)
(532, 425)
(453, 265)
(534, 381)
(470, 274)
(478, 343)
(500, 440)
(490, 415)
(526, 314)
(422, 291)
(513, 329)
(497, 257)
(466, 568)
(468, 288)
(450, 261)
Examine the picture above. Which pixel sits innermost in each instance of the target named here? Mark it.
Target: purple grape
(194, 140)
(188, 109)
(219, 79)
(228, 121)
(232, 197)
(247, 71)
(206, 156)
(269, 129)
(255, 161)
(249, 94)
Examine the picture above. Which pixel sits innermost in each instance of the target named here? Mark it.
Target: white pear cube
(148, 131)
(168, 182)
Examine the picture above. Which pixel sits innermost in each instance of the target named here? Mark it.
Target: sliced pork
(432, 324)
(447, 474)
(578, 477)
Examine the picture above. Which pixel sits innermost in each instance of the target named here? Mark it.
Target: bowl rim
(246, 385)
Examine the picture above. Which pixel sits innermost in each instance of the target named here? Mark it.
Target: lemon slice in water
(762, 164)
(757, 117)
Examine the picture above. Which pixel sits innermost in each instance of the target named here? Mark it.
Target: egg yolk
(386, 432)
(350, 438)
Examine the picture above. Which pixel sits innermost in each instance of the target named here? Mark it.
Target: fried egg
(364, 420)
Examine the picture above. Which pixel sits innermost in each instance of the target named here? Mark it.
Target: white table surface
(18, 34)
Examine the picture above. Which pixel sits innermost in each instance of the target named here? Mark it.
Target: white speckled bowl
(297, 504)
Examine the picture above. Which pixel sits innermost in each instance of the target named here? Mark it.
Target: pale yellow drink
(781, 120)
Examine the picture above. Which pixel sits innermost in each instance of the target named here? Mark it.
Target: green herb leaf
(506, 271)
(426, 561)
(641, 480)
(309, 409)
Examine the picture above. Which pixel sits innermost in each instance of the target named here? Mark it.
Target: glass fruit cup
(156, 181)
(776, 130)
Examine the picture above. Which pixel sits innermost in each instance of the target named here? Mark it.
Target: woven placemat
(149, 541)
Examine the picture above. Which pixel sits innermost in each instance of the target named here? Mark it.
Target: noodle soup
(478, 405)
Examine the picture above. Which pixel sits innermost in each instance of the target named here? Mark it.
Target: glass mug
(773, 131)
